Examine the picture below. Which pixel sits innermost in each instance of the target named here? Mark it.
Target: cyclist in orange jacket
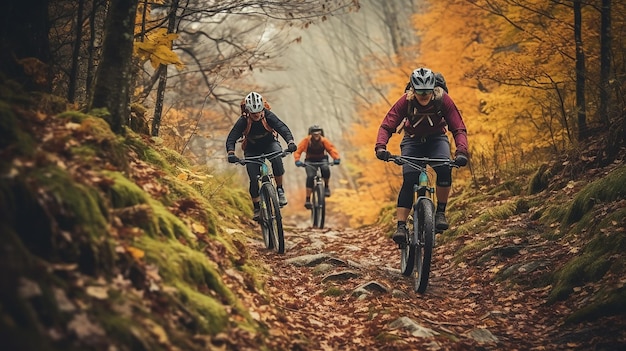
(315, 145)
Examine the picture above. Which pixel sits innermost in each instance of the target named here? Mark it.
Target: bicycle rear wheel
(318, 212)
(272, 219)
(424, 231)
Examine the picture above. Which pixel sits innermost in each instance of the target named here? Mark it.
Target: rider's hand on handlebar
(291, 146)
(383, 154)
(337, 161)
(299, 163)
(460, 160)
(232, 158)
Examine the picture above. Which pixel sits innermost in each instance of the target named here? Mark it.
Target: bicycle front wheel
(265, 217)
(271, 221)
(407, 254)
(424, 233)
(318, 212)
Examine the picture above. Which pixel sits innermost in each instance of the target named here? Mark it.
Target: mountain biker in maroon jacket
(426, 112)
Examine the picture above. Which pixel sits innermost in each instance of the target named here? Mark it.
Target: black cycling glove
(460, 160)
(291, 146)
(383, 154)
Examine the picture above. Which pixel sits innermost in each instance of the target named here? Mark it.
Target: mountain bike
(318, 199)
(416, 255)
(270, 219)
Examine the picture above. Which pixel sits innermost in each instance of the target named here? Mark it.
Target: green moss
(121, 328)
(13, 93)
(76, 209)
(554, 212)
(73, 116)
(189, 272)
(168, 224)
(159, 221)
(123, 192)
(333, 291)
(474, 247)
(506, 189)
(210, 314)
(593, 262)
(606, 189)
(97, 140)
(12, 134)
(503, 211)
(606, 303)
(540, 180)
(150, 155)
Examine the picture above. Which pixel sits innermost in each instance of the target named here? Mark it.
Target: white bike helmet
(423, 79)
(254, 102)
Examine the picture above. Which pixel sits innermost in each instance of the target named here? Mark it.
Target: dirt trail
(313, 306)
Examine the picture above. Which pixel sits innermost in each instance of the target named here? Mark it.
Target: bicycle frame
(318, 210)
(415, 257)
(270, 218)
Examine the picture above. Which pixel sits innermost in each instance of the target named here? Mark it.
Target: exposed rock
(482, 335)
(369, 287)
(308, 260)
(343, 275)
(414, 328)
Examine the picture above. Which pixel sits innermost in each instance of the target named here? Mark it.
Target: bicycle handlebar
(316, 164)
(260, 158)
(418, 163)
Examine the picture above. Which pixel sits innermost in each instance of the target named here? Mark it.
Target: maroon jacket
(451, 118)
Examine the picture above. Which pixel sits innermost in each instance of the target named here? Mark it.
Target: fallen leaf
(99, 292)
(137, 254)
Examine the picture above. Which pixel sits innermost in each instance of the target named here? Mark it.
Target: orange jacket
(303, 146)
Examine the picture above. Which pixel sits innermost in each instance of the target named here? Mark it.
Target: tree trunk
(113, 76)
(24, 45)
(583, 131)
(158, 109)
(605, 61)
(71, 90)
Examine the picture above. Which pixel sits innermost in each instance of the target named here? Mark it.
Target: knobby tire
(407, 254)
(273, 220)
(265, 217)
(318, 212)
(424, 232)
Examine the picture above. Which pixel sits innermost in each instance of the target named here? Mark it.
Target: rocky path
(341, 289)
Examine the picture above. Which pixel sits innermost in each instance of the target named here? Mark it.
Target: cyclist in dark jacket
(426, 111)
(257, 128)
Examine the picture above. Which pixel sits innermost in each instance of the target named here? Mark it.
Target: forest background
(95, 223)
(532, 79)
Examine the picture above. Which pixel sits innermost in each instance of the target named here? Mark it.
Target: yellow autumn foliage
(509, 69)
(156, 46)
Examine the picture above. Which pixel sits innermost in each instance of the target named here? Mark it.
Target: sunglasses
(423, 91)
